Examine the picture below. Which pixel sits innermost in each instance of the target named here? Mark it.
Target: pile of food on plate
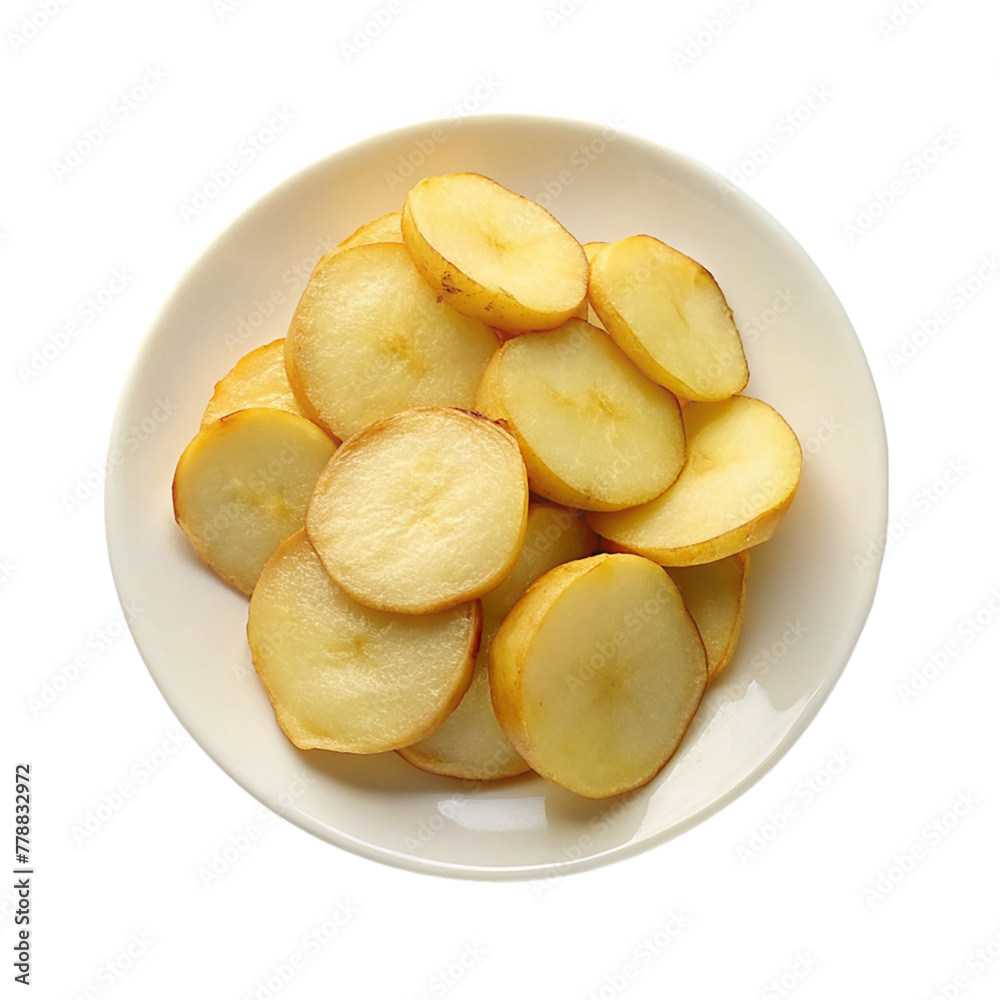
(452, 490)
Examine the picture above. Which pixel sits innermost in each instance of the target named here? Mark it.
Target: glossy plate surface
(810, 588)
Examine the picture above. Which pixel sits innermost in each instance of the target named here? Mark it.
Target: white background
(826, 907)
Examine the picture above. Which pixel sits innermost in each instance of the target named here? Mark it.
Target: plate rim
(878, 497)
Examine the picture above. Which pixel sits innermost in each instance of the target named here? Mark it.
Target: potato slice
(667, 313)
(597, 672)
(715, 594)
(586, 310)
(341, 676)
(740, 478)
(594, 431)
(242, 485)
(257, 379)
(591, 250)
(369, 339)
(470, 743)
(492, 254)
(384, 229)
(421, 511)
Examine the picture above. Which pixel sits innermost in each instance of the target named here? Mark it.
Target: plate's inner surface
(810, 588)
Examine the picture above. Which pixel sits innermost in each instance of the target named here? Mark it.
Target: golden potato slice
(341, 676)
(492, 254)
(242, 485)
(586, 310)
(384, 229)
(597, 672)
(593, 430)
(740, 478)
(591, 250)
(421, 511)
(257, 379)
(667, 313)
(715, 594)
(369, 339)
(470, 743)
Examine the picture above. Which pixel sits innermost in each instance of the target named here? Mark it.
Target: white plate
(809, 594)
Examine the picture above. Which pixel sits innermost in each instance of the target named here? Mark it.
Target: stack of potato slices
(492, 495)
